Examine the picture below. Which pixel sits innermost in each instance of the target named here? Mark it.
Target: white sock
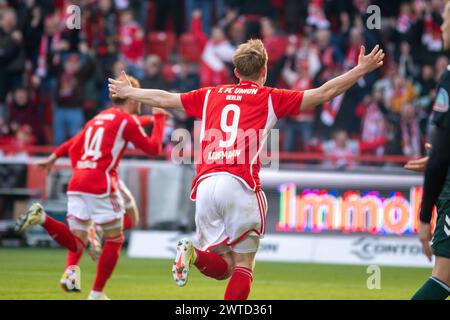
(96, 294)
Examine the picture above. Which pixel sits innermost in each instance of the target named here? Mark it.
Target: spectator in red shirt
(22, 110)
(15, 147)
(132, 49)
(373, 123)
(341, 146)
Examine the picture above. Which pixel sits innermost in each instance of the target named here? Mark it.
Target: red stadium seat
(190, 47)
(161, 44)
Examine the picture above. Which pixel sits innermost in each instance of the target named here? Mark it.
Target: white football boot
(185, 256)
(32, 217)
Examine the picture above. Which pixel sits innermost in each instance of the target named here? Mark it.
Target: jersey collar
(248, 83)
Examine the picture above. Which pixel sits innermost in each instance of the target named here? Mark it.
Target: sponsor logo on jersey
(442, 101)
(86, 165)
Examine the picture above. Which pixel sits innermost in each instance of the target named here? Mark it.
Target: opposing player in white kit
(230, 205)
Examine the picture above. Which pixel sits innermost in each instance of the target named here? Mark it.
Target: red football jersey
(97, 150)
(63, 149)
(236, 120)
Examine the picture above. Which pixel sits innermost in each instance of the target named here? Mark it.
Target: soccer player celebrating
(436, 187)
(230, 205)
(130, 218)
(93, 191)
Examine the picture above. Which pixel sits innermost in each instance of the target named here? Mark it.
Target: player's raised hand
(425, 238)
(118, 87)
(372, 61)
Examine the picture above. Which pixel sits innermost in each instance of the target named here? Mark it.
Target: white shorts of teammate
(82, 208)
(229, 216)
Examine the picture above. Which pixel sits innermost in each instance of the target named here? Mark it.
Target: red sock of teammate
(107, 261)
(62, 234)
(127, 222)
(240, 284)
(74, 257)
(211, 264)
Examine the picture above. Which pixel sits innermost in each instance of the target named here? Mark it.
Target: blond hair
(250, 59)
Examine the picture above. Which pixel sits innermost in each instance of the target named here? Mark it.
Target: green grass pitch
(34, 274)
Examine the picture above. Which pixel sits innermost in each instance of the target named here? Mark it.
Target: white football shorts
(228, 215)
(100, 210)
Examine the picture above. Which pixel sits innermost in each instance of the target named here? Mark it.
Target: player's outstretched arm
(435, 167)
(152, 97)
(60, 151)
(150, 145)
(338, 85)
(435, 172)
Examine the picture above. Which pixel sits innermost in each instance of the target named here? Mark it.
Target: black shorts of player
(441, 236)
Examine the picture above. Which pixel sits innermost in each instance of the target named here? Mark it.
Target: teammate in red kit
(230, 205)
(93, 188)
(130, 218)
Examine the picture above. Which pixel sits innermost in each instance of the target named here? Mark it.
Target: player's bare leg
(441, 270)
(437, 287)
(113, 240)
(228, 257)
(95, 236)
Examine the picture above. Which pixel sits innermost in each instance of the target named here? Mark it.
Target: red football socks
(62, 234)
(211, 264)
(240, 284)
(74, 257)
(107, 261)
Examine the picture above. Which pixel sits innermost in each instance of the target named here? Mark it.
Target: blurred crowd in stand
(54, 78)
